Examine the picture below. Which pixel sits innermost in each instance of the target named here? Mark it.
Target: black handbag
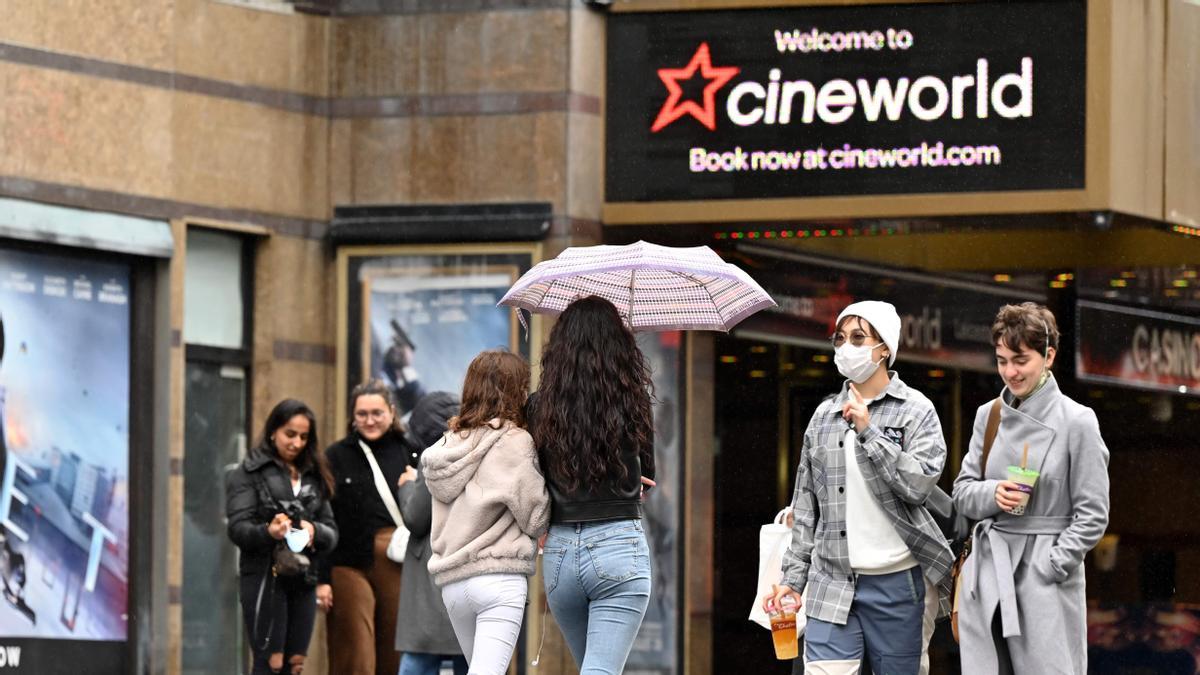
(287, 563)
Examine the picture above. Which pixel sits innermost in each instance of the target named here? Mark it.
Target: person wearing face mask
(1021, 605)
(862, 539)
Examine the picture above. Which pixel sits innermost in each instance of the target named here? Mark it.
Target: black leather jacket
(615, 498)
(255, 491)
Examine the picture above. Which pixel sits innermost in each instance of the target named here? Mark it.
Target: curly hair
(496, 386)
(594, 398)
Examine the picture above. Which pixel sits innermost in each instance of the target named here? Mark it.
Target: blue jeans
(597, 578)
(416, 663)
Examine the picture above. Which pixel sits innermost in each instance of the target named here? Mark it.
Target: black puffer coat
(259, 488)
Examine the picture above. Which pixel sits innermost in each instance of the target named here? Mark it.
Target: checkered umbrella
(656, 288)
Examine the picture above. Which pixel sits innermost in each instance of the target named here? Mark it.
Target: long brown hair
(311, 456)
(594, 398)
(496, 386)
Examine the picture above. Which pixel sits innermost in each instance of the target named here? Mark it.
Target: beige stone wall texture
(451, 53)
(1183, 113)
(100, 102)
(207, 106)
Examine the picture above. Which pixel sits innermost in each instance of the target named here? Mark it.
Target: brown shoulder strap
(989, 434)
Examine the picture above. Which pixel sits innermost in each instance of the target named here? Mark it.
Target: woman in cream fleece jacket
(490, 504)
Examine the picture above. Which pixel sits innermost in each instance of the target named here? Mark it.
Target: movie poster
(64, 450)
(416, 321)
(656, 649)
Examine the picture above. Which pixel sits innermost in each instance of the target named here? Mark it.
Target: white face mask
(854, 363)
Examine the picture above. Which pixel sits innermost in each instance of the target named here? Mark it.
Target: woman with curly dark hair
(592, 423)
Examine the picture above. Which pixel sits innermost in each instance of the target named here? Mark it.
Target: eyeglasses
(857, 338)
(373, 414)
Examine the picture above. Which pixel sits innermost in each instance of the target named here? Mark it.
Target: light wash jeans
(597, 578)
(418, 663)
(486, 613)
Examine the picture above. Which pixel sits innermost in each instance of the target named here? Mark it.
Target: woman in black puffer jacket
(281, 491)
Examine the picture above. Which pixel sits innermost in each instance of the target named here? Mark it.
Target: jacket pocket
(1042, 569)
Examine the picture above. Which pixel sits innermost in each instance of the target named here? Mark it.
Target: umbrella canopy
(656, 288)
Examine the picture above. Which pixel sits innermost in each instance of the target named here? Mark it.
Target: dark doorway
(765, 394)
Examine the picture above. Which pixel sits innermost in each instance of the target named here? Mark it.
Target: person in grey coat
(1022, 607)
(424, 635)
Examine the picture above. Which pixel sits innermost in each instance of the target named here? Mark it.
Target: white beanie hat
(883, 317)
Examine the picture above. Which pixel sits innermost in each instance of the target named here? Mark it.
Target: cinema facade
(948, 158)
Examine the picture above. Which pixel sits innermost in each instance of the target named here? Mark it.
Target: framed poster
(65, 364)
(415, 316)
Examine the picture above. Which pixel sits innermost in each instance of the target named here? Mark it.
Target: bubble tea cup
(1025, 480)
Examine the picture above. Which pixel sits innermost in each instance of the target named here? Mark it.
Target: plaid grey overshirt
(901, 454)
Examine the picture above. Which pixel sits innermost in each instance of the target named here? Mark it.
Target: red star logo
(673, 109)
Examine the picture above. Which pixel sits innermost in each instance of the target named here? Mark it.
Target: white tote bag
(773, 540)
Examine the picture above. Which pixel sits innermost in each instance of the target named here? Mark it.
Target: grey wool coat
(423, 625)
(1028, 570)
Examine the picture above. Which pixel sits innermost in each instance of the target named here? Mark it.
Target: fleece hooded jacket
(490, 502)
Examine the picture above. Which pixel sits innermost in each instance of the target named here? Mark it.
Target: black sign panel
(821, 101)
(947, 322)
(1138, 348)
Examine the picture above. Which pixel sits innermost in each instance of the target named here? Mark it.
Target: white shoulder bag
(773, 541)
(399, 542)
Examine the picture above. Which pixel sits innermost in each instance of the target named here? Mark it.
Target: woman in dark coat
(281, 490)
(360, 586)
(423, 631)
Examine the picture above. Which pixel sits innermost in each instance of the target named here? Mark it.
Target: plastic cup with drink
(1025, 480)
(783, 628)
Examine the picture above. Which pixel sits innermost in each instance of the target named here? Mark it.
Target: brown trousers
(361, 634)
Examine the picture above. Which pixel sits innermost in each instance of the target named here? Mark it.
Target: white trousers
(928, 623)
(486, 613)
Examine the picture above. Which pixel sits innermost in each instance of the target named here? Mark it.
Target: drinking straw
(1025, 457)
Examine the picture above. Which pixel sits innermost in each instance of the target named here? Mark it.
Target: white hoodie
(490, 502)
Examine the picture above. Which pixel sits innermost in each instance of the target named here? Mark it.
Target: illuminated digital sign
(824, 101)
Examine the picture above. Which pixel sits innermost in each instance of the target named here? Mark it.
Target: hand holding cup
(1008, 495)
